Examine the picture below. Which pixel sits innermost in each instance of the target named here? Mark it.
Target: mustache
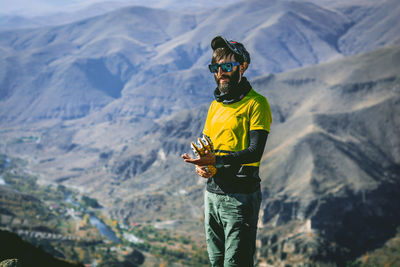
(224, 77)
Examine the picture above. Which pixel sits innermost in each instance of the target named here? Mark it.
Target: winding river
(102, 227)
(6, 164)
(2, 182)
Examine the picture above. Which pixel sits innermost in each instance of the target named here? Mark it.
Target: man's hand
(204, 165)
(203, 171)
(207, 159)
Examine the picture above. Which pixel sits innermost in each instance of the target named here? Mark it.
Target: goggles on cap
(226, 67)
(234, 46)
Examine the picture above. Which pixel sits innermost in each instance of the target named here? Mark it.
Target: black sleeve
(258, 139)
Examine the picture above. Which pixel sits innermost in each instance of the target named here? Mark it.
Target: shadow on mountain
(357, 222)
(359, 211)
(101, 78)
(27, 255)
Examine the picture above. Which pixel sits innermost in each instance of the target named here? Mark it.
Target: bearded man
(238, 123)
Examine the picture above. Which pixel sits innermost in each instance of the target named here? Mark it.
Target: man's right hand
(207, 159)
(202, 171)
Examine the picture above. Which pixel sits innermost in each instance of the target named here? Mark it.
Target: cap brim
(219, 42)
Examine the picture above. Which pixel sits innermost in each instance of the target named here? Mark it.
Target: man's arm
(253, 153)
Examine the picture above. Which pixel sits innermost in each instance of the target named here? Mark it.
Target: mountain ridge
(135, 55)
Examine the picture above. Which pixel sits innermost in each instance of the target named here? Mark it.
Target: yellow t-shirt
(228, 125)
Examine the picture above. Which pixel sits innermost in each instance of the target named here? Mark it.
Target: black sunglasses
(226, 67)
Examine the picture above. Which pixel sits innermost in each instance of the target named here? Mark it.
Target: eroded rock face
(339, 229)
(126, 168)
(331, 194)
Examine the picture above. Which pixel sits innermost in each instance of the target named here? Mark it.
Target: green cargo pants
(231, 228)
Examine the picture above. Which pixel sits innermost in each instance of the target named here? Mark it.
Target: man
(238, 123)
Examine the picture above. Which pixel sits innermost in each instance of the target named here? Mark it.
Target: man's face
(227, 80)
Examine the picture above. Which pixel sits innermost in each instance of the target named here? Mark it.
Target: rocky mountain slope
(12, 19)
(148, 62)
(332, 172)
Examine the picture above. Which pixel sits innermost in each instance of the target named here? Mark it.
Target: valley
(71, 226)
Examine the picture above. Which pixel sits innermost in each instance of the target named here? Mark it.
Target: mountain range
(110, 102)
(122, 57)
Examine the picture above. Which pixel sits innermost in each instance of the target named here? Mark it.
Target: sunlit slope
(333, 157)
(148, 62)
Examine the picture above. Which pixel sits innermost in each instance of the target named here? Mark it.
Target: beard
(233, 81)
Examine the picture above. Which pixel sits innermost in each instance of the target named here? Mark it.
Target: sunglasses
(226, 67)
